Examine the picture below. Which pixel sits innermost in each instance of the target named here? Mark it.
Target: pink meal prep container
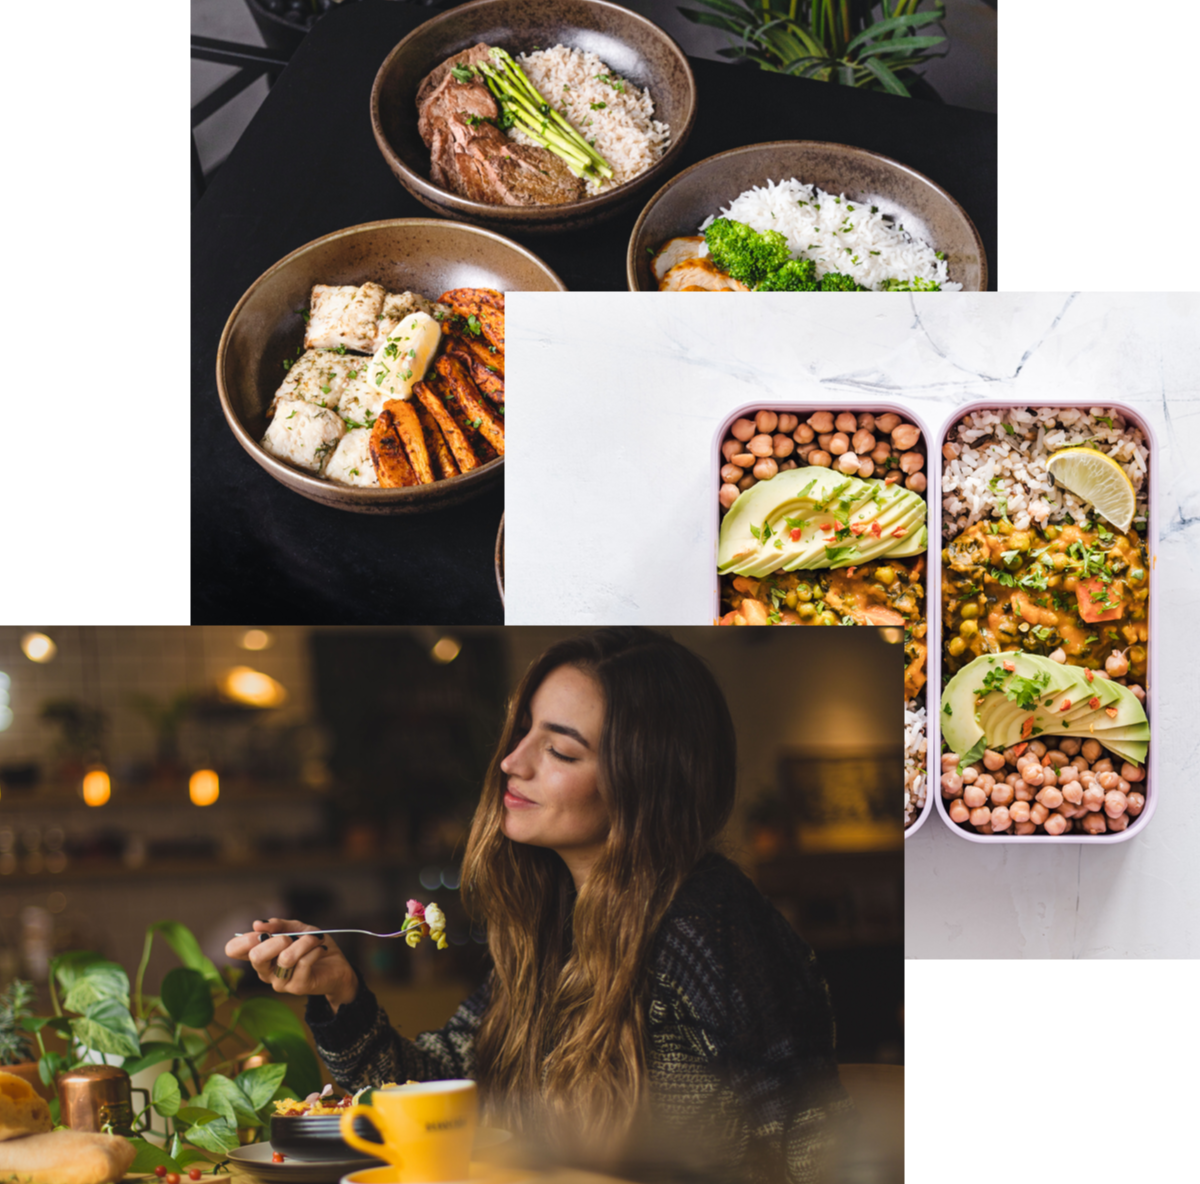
(933, 754)
(933, 471)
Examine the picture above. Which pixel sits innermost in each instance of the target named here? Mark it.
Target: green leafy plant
(15, 1001)
(203, 1105)
(862, 43)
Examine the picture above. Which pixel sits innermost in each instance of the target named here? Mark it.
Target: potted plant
(16, 1050)
(864, 43)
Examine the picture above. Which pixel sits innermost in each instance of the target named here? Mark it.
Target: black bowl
(318, 1136)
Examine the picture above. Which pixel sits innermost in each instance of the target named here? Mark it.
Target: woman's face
(552, 796)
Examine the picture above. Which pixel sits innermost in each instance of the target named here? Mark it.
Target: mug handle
(374, 1150)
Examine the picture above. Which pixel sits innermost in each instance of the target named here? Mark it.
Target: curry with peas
(1072, 592)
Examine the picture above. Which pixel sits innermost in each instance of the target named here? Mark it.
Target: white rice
(914, 761)
(1014, 462)
(837, 234)
(616, 116)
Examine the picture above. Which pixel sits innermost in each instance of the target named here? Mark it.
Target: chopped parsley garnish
(474, 325)
(946, 710)
(463, 73)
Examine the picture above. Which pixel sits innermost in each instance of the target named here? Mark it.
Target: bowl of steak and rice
(622, 71)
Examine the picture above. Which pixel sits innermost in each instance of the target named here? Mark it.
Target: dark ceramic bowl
(318, 1137)
(423, 255)
(922, 207)
(632, 46)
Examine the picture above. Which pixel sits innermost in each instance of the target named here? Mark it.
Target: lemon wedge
(1097, 479)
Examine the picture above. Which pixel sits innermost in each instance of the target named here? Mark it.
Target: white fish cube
(398, 305)
(350, 463)
(361, 402)
(345, 315)
(302, 434)
(318, 376)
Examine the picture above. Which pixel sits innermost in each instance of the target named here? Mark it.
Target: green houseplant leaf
(229, 1100)
(263, 1016)
(154, 1052)
(166, 1096)
(218, 1134)
(149, 1157)
(107, 1027)
(187, 997)
(96, 981)
(303, 1073)
(187, 949)
(260, 1084)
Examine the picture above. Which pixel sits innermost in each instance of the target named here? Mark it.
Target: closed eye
(570, 760)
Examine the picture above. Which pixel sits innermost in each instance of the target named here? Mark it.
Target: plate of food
(533, 115)
(799, 216)
(366, 369)
(1047, 613)
(820, 519)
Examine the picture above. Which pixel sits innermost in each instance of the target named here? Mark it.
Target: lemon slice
(1097, 479)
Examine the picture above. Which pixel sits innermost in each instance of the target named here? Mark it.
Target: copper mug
(95, 1096)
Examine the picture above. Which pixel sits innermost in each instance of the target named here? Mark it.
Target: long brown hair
(561, 1047)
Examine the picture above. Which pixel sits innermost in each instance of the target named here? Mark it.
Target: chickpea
(955, 646)
(1139, 692)
(824, 439)
(1091, 750)
(742, 429)
(760, 446)
(730, 473)
(1108, 781)
(905, 436)
(1123, 786)
(949, 762)
(804, 449)
(1135, 803)
(866, 421)
(1118, 824)
(1037, 747)
(1102, 766)
(973, 796)
(1116, 664)
(846, 463)
(1055, 757)
(866, 466)
(1068, 775)
(986, 782)
(1070, 745)
(821, 421)
(747, 482)
(1093, 824)
(887, 423)
(765, 469)
(839, 443)
(862, 442)
(968, 628)
(846, 422)
(1010, 756)
(1049, 775)
(1072, 792)
(1132, 772)
(787, 464)
(971, 774)
(1019, 811)
(981, 817)
(1114, 803)
(1080, 763)
(1055, 824)
(917, 483)
(885, 575)
(730, 448)
(788, 422)
(1038, 814)
(880, 453)
(911, 462)
(1032, 775)
(1025, 828)
(744, 460)
(821, 459)
(783, 445)
(950, 451)
(804, 434)
(766, 421)
(728, 495)
(958, 811)
(1002, 795)
(1059, 655)
(993, 760)
(1001, 820)
(1051, 797)
(952, 784)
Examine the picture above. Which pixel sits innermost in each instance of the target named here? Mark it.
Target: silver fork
(322, 932)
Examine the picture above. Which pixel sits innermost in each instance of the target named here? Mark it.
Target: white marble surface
(612, 528)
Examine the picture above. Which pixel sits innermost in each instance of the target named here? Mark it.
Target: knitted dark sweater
(741, 1071)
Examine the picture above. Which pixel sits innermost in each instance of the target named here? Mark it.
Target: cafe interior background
(214, 775)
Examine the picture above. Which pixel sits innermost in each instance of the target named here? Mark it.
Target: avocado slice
(1133, 751)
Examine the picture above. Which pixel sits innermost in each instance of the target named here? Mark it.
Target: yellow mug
(428, 1129)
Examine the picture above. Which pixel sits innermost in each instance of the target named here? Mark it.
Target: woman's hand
(294, 964)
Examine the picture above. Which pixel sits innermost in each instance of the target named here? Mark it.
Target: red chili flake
(829, 526)
(1094, 702)
(851, 570)
(1111, 712)
(1018, 749)
(1009, 666)
(1089, 676)
(1065, 705)
(796, 533)
(899, 532)
(876, 530)
(1027, 727)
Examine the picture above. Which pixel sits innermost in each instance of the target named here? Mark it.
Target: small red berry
(172, 1178)
(194, 1173)
(161, 1170)
(277, 1157)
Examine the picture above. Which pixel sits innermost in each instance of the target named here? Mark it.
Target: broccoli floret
(743, 253)
(796, 275)
(834, 281)
(916, 284)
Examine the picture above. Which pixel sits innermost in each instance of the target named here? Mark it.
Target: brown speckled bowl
(500, 559)
(423, 255)
(922, 207)
(629, 44)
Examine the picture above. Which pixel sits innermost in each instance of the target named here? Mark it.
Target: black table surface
(307, 165)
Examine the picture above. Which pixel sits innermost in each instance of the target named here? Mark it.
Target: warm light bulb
(892, 635)
(96, 787)
(204, 787)
(37, 647)
(253, 688)
(257, 639)
(446, 649)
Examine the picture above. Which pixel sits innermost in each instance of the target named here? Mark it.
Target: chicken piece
(398, 305)
(489, 378)
(429, 396)
(699, 275)
(398, 447)
(351, 462)
(443, 458)
(676, 250)
(461, 389)
(303, 434)
(319, 377)
(486, 305)
(344, 315)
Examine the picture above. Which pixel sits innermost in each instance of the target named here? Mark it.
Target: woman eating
(645, 1001)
